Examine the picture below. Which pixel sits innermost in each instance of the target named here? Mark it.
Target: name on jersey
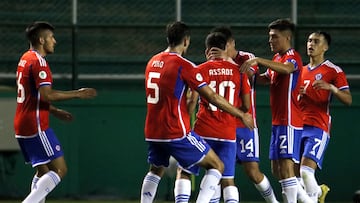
(157, 64)
(221, 71)
(22, 63)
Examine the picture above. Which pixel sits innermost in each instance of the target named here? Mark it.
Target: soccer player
(215, 126)
(320, 81)
(37, 140)
(167, 127)
(247, 140)
(283, 74)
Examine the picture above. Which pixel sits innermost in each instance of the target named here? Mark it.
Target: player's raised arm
(224, 105)
(50, 95)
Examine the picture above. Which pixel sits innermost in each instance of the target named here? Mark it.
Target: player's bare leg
(260, 181)
(59, 166)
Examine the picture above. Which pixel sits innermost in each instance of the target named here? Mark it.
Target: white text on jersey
(157, 64)
(221, 71)
(22, 63)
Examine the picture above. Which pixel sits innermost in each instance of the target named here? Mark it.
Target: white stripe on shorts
(322, 145)
(290, 137)
(196, 143)
(46, 143)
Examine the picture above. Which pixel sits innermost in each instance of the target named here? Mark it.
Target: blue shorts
(285, 143)
(41, 148)
(314, 142)
(188, 152)
(247, 145)
(226, 151)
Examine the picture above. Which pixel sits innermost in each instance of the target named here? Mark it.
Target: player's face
(316, 45)
(49, 42)
(277, 41)
(230, 46)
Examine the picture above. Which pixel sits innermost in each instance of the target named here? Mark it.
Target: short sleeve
(41, 73)
(341, 81)
(193, 76)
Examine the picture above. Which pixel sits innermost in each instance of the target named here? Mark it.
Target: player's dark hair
(176, 32)
(282, 25)
(326, 35)
(34, 30)
(215, 39)
(226, 31)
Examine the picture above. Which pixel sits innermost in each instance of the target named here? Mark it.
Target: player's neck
(39, 50)
(176, 49)
(285, 49)
(316, 60)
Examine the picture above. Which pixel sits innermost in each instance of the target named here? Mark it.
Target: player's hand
(321, 85)
(62, 115)
(245, 67)
(302, 90)
(248, 121)
(215, 52)
(87, 93)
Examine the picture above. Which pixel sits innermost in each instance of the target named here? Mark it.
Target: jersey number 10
(221, 89)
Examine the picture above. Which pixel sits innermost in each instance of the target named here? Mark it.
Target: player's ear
(41, 40)
(326, 47)
(186, 41)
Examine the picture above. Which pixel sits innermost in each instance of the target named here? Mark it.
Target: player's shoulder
(171, 58)
(179, 58)
(292, 52)
(34, 58)
(330, 65)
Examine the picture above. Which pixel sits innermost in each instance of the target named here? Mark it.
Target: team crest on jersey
(42, 74)
(318, 76)
(57, 147)
(199, 77)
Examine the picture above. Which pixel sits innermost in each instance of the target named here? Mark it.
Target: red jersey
(32, 113)
(284, 91)
(225, 79)
(167, 78)
(240, 58)
(315, 103)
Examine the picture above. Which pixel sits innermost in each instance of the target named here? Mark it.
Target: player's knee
(61, 172)
(159, 171)
(275, 172)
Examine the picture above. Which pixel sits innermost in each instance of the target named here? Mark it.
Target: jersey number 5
(151, 85)
(20, 89)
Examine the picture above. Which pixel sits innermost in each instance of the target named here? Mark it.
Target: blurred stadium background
(106, 44)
